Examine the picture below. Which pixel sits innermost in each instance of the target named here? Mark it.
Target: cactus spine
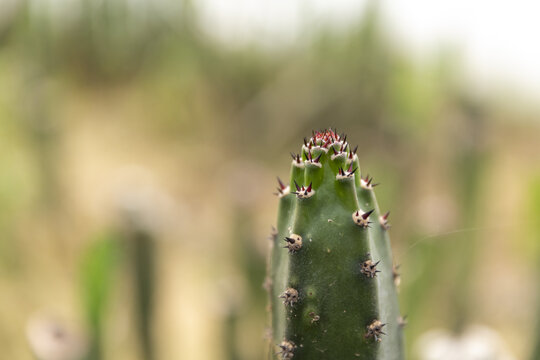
(332, 287)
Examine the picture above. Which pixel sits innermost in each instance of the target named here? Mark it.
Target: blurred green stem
(469, 166)
(98, 268)
(143, 252)
(533, 214)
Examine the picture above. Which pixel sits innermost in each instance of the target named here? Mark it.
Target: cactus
(331, 278)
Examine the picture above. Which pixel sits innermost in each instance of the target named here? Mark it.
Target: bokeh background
(139, 144)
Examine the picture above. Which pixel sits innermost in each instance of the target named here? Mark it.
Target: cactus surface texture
(332, 282)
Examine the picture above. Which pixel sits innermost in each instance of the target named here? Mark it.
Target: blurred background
(140, 140)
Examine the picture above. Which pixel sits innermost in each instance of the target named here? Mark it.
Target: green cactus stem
(332, 288)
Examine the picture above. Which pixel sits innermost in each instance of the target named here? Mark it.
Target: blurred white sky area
(498, 40)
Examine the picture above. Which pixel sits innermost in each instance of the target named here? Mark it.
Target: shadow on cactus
(332, 280)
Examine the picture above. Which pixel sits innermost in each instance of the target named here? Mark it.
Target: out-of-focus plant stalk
(469, 166)
(140, 206)
(98, 273)
(142, 251)
(534, 226)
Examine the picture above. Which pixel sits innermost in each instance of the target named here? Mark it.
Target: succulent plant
(332, 282)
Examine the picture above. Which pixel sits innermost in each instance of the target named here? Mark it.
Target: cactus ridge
(332, 280)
